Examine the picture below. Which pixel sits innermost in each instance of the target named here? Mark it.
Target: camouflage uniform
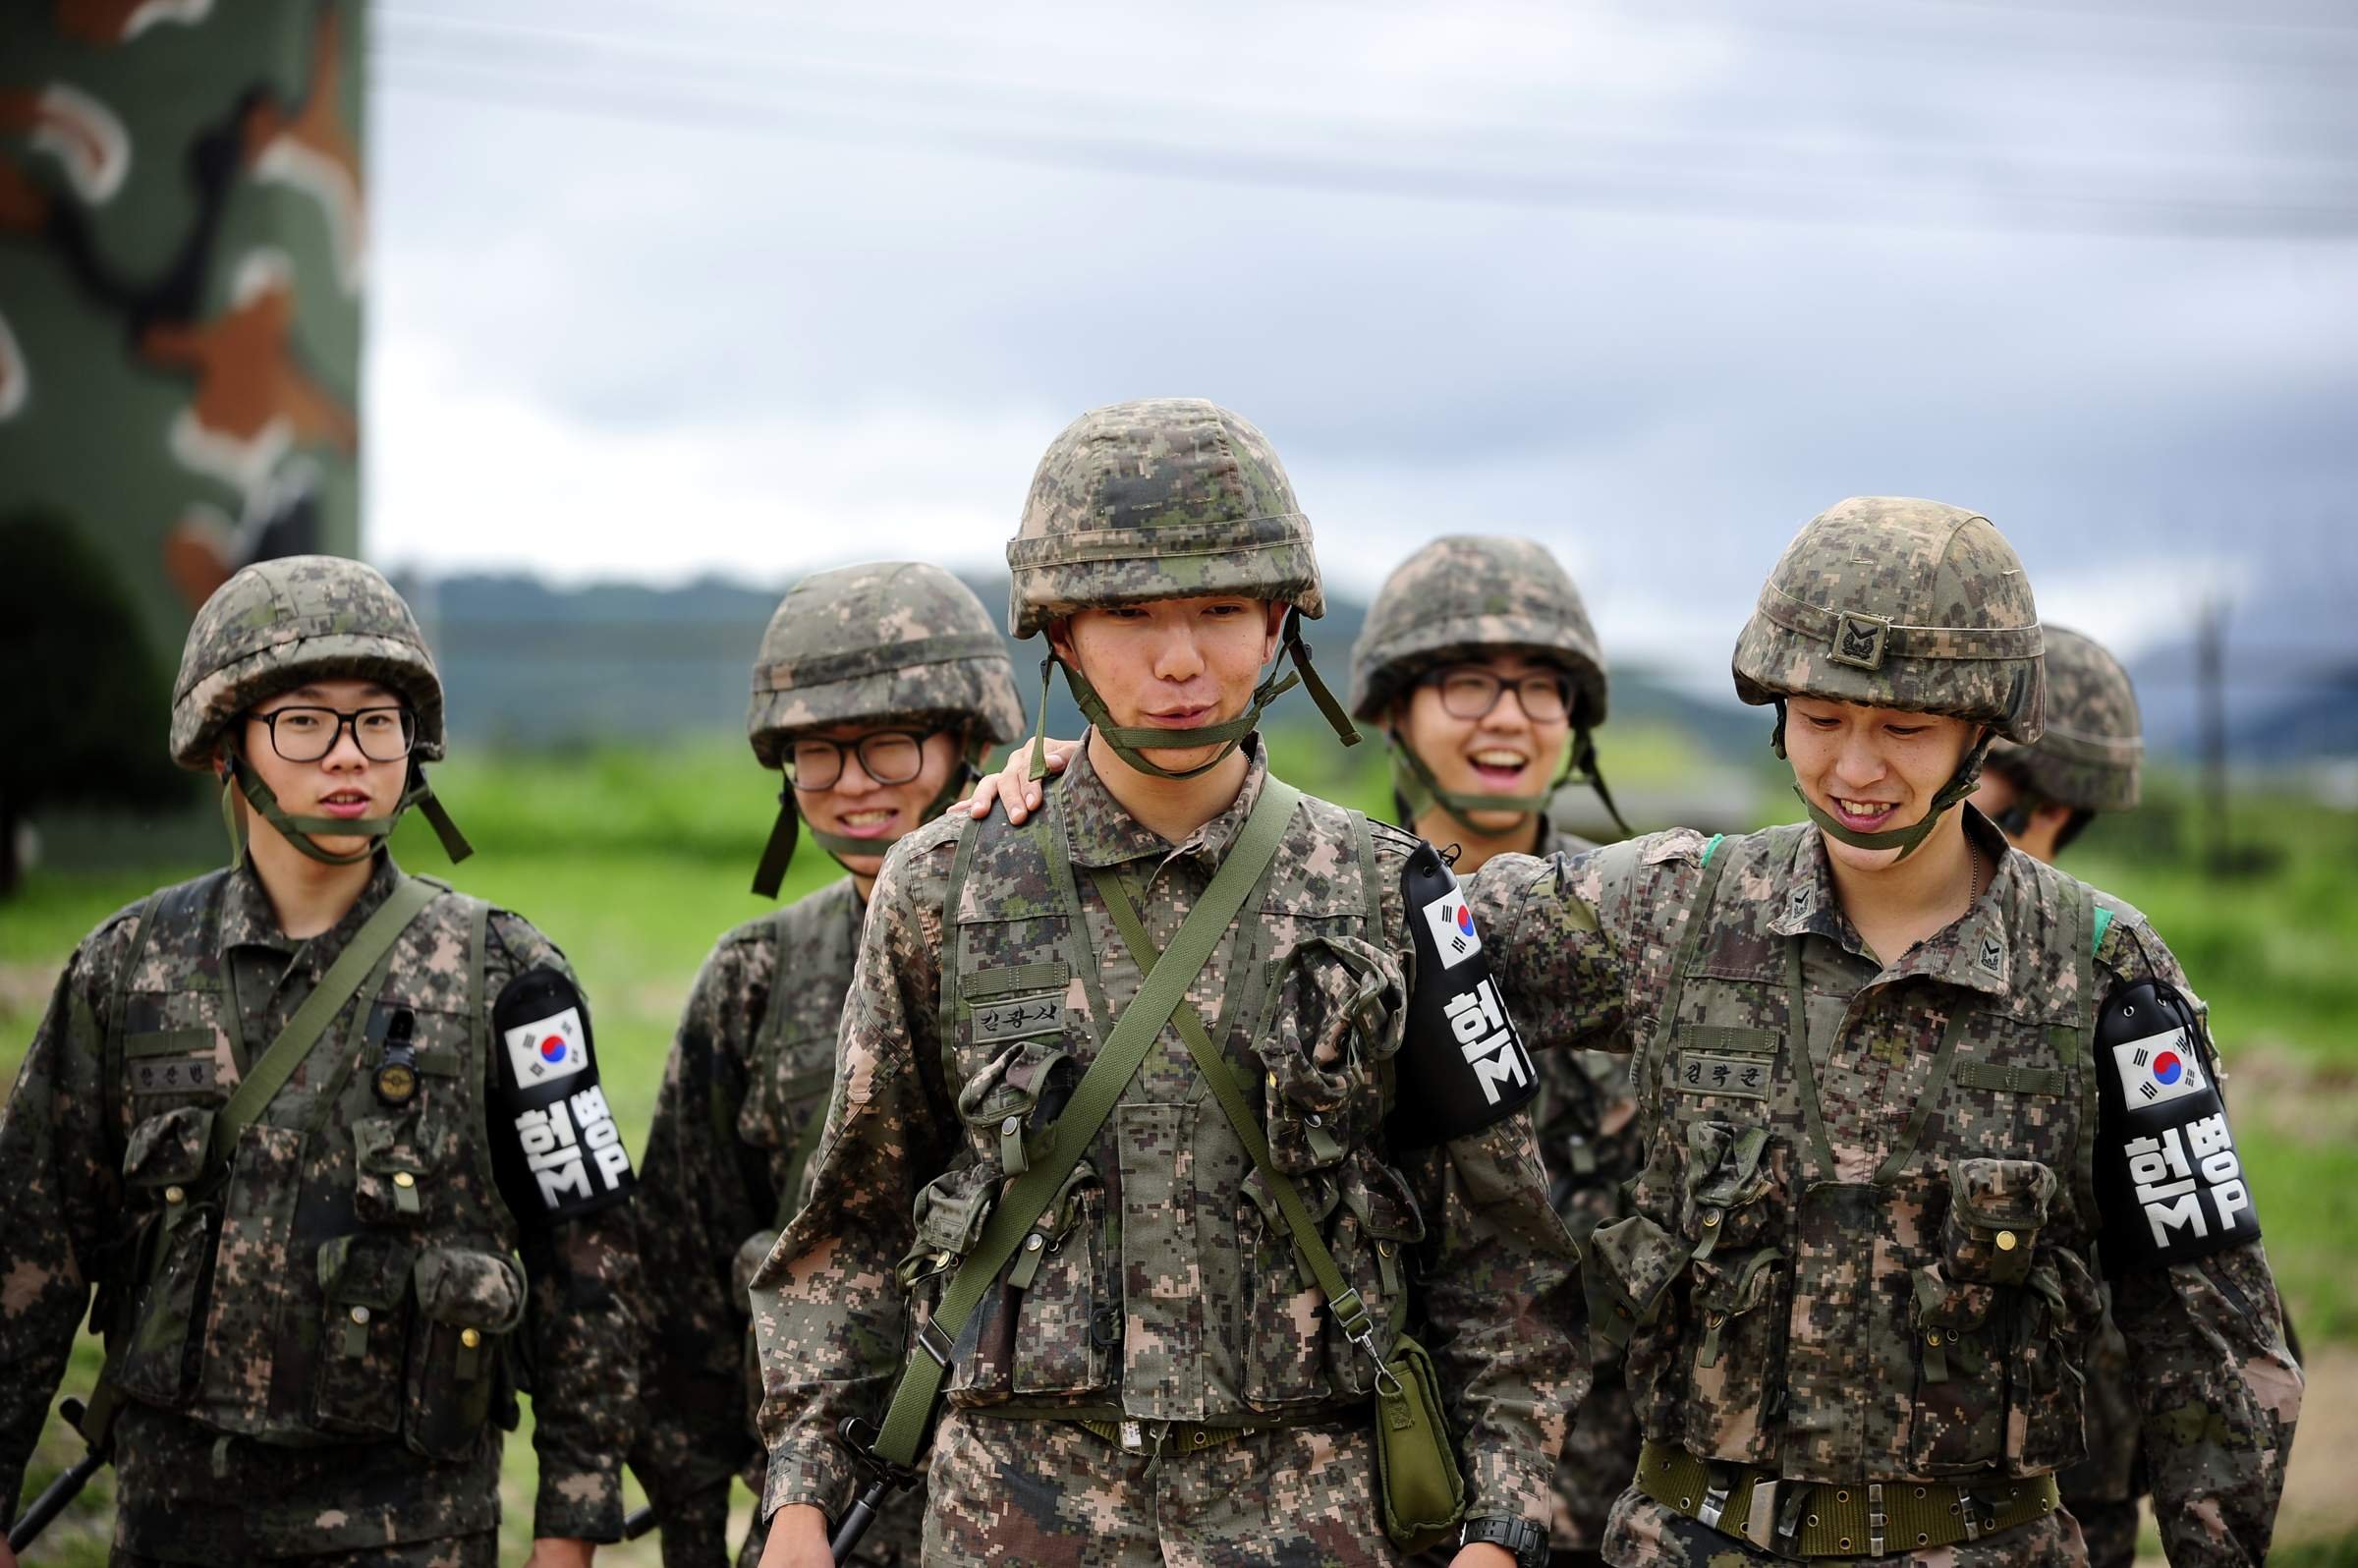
(1160, 1381)
(2087, 759)
(747, 1084)
(1463, 598)
(328, 1342)
(1815, 1288)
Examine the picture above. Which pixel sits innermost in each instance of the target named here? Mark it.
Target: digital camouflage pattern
(885, 642)
(2089, 756)
(1169, 1292)
(1893, 603)
(1036, 1496)
(1587, 1120)
(301, 618)
(744, 1097)
(1827, 1294)
(1465, 596)
(1162, 498)
(341, 1383)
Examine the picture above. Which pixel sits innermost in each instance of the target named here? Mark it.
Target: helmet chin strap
(1131, 743)
(1420, 791)
(1907, 840)
(300, 831)
(778, 853)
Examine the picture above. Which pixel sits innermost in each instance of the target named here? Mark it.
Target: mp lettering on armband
(1485, 1037)
(565, 1157)
(569, 1142)
(2173, 1188)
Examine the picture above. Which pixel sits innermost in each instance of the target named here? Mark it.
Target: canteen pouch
(364, 1279)
(1420, 1492)
(171, 1260)
(468, 1304)
(1997, 1209)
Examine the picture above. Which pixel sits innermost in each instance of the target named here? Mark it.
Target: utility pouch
(1997, 1209)
(171, 1261)
(1725, 1183)
(1422, 1494)
(1628, 1268)
(1012, 1102)
(468, 1304)
(363, 1333)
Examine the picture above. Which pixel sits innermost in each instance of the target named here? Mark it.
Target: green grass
(634, 862)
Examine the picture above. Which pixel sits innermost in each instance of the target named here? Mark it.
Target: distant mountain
(528, 664)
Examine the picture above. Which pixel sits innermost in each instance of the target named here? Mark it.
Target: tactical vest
(1925, 1322)
(1163, 1284)
(352, 1278)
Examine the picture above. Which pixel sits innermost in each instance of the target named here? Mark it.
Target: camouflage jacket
(362, 1284)
(743, 1097)
(1171, 1293)
(1586, 1115)
(1863, 1294)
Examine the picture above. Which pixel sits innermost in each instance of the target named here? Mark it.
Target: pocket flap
(1724, 1164)
(1945, 1303)
(1730, 1290)
(364, 1270)
(1016, 1082)
(1378, 1195)
(381, 1146)
(952, 1209)
(1630, 1265)
(169, 1147)
(2000, 1193)
(470, 1289)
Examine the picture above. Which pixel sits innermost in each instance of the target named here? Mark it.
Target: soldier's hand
(1483, 1555)
(552, 1551)
(7, 1558)
(798, 1539)
(1012, 785)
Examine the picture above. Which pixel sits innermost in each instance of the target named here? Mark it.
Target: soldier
(2041, 796)
(1479, 660)
(296, 1120)
(1896, 1082)
(877, 689)
(1192, 1248)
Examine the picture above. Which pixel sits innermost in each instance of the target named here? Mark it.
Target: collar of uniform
(1976, 952)
(1803, 894)
(248, 920)
(1101, 831)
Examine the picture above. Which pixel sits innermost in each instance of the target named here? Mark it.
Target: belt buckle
(1969, 1511)
(1760, 1521)
(1719, 1482)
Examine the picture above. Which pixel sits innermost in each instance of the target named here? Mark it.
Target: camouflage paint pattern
(281, 623)
(888, 642)
(1783, 1298)
(1169, 1292)
(1028, 1494)
(1163, 498)
(321, 1400)
(183, 227)
(747, 1082)
(2090, 754)
(1893, 603)
(1464, 596)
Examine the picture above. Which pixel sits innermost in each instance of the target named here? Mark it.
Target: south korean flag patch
(548, 1049)
(1451, 924)
(2158, 1068)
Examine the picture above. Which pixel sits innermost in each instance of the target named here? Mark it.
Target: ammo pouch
(170, 1267)
(1417, 1482)
(468, 1304)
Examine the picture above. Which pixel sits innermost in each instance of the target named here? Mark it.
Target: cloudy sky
(661, 290)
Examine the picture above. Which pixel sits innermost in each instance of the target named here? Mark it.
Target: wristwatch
(1527, 1541)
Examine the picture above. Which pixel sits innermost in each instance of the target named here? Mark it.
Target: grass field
(633, 862)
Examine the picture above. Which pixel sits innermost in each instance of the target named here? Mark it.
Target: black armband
(2169, 1180)
(1461, 1066)
(556, 1149)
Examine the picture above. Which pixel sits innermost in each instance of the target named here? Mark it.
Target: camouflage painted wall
(182, 231)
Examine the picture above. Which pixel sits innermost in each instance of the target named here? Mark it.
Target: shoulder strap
(1027, 1197)
(1689, 944)
(945, 1027)
(271, 1070)
(1350, 1310)
(110, 1055)
(2079, 1038)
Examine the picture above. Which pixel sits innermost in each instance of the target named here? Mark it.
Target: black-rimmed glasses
(888, 757)
(304, 734)
(1471, 693)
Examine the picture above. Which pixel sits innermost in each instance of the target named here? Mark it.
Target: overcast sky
(661, 290)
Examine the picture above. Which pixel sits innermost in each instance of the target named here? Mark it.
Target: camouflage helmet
(1892, 602)
(890, 639)
(1165, 498)
(277, 624)
(2089, 757)
(1162, 498)
(1468, 594)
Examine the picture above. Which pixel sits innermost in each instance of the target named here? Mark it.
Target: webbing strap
(270, 1072)
(1027, 1197)
(1350, 1310)
(1666, 1024)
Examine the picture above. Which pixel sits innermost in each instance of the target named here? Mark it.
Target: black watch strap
(1527, 1541)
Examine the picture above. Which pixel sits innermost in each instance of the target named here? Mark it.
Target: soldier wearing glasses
(877, 686)
(329, 1140)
